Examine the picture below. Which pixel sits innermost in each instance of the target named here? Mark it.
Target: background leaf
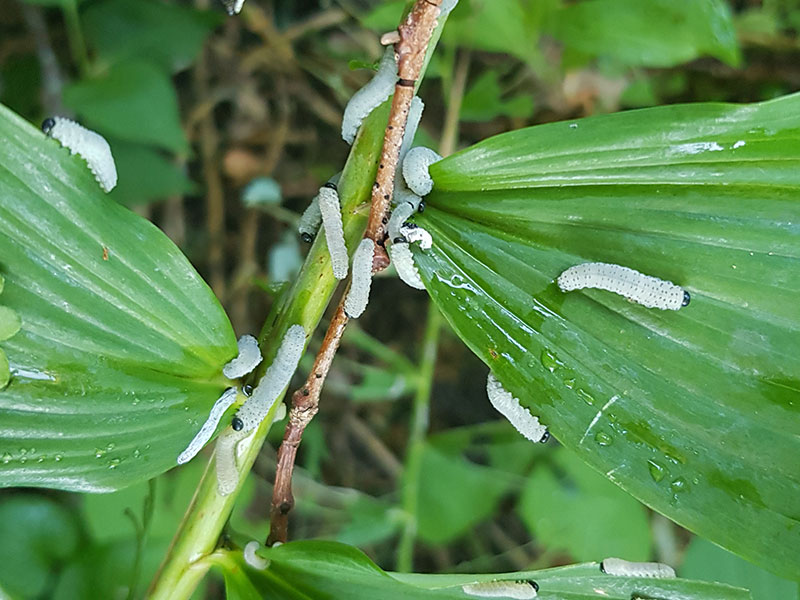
(134, 101)
(657, 33)
(331, 570)
(118, 360)
(696, 412)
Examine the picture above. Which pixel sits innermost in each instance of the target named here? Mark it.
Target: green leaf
(122, 344)
(9, 323)
(696, 412)
(483, 101)
(656, 33)
(582, 513)
(134, 101)
(38, 534)
(448, 504)
(145, 174)
(331, 570)
(167, 34)
(708, 562)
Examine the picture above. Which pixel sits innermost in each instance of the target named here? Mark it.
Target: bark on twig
(415, 33)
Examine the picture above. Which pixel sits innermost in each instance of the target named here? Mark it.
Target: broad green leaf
(167, 34)
(38, 535)
(134, 101)
(328, 570)
(483, 101)
(448, 504)
(694, 412)
(707, 562)
(122, 344)
(146, 174)
(656, 33)
(570, 507)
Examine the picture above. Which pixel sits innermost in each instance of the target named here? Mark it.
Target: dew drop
(58, 458)
(6, 458)
(586, 396)
(569, 383)
(549, 360)
(136, 453)
(114, 463)
(111, 446)
(99, 452)
(657, 471)
(679, 484)
(603, 439)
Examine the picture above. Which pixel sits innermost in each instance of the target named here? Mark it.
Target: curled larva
(519, 416)
(233, 6)
(312, 217)
(414, 117)
(227, 473)
(334, 230)
(248, 359)
(413, 233)
(369, 97)
(446, 6)
(625, 568)
(253, 559)
(403, 262)
(650, 292)
(275, 379)
(90, 146)
(358, 294)
(519, 590)
(402, 212)
(222, 404)
(415, 169)
(402, 195)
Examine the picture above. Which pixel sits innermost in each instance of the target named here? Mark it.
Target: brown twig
(415, 33)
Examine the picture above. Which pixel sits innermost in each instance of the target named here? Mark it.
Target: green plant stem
(416, 439)
(77, 44)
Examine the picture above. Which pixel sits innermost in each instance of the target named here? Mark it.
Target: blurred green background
(224, 128)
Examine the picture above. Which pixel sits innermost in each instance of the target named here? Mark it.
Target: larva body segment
(519, 416)
(413, 233)
(225, 462)
(415, 169)
(334, 230)
(248, 359)
(402, 195)
(369, 97)
(403, 261)
(517, 590)
(90, 146)
(274, 381)
(412, 124)
(625, 568)
(401, 213)
(650, 292)
(253, 559)
(311, 219)
(222, 404)
(233, 7)
(358, 294)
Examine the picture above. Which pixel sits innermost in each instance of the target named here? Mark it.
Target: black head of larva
(48, 124)
(421, 207)
(533, 584)
(398, 240)
(687, 297)
(330, 184)
(237, 424)
(247, 390)
(306, 237)
(545, 437)
(602, 567)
